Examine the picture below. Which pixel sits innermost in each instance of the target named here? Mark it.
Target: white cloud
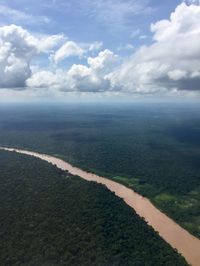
(78, 78)
(170, 65)
(47, 79)
(17, 48)
(46, 43)
(85, 79)
(104, 61)
(72, 49)
(91, 78)
(66, 50)
(16, 51)
(171, 62)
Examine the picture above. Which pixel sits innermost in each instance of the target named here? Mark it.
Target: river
(170, 231)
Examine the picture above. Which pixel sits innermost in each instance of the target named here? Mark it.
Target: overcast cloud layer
(168, 64)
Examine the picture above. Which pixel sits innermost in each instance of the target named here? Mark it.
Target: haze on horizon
(99, 50)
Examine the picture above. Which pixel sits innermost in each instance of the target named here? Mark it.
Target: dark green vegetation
(48, 217)
(154, 149)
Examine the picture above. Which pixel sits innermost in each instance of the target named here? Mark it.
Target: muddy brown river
(170, 231)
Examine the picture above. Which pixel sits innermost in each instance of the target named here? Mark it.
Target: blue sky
(114, 22)
(52, 48)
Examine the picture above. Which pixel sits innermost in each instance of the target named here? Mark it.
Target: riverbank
(172, 233)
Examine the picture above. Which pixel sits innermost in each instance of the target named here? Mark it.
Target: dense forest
(49, 217)
(154, 149)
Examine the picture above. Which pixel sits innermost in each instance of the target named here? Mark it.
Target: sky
(99, 49)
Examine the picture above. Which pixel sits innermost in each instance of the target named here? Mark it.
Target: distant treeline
(154, 150)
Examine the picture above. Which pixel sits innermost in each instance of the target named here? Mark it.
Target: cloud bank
(170, 64)
(84, 78)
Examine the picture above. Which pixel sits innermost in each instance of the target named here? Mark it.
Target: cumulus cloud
(17, 48)
(16, 51)
(104, 61)
(66, 50)
(72, 49)
(171, 62)
(45, 44)
(85, 79)
(91, 78)
(47, 79)
(78, 78)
